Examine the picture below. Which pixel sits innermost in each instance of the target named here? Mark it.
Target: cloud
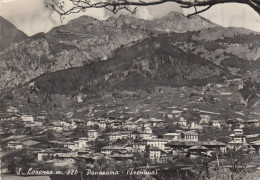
(232, 15)
(98, 13)
(30, 16)
(150, 12)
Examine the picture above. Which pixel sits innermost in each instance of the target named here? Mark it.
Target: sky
(31, 16)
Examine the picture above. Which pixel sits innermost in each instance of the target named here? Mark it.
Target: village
(145, 140)
(173, 129)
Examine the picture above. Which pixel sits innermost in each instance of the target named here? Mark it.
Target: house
(71, 145)
(139, 147)
(4, 117)
(156, 142)
(216, 124)
(238, 139)
(114, 136)
(204, 119)
(145, 135)
(45, 154)
(12, 109)
(256, 145)
(64, 153)
(16, 145)
(197, 151)
(195, 126)
(214, 146)
(116, 124)
(102, 125)
(148, 130)
(107, 150)
(121, 156)
(129, 147)
(182, 122)
(156, 122)
(131, 125)
(90, 123)
(172, 136)
(189, 136)
(252, 122)
(82, 142)
(27, 118)
(157, 155)
(92, 134)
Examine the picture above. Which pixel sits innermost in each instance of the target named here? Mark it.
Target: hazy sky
(32, 17)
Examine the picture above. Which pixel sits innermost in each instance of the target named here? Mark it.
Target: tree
(130, 5)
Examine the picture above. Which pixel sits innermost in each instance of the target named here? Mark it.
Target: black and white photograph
(129, 89)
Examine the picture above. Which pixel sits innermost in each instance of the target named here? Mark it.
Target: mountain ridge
(9, 34)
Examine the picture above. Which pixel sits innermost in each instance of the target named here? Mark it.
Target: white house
(238, 139)
(204, 119)
(172, 136)
(92, 134)
(131, 125)
(27, 118)
(155, 153)
(156, 142)
(139, 147)
(189, 136)
(83, 142)
(90, 123)
(115, 136)
(216, 124)
(148, 130)
(102, 125)
(195, 126)
(182, 122)
(17, 145)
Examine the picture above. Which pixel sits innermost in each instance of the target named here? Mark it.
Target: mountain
(9, 34)
(145, 65)
(81, 41)
(172, 22)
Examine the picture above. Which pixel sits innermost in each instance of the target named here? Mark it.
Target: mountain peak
(9, 34)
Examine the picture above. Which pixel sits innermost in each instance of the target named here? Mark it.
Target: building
(92, 134)
(204, 119)
(82, 142)
(148, 130)
(139, 147)
(238, 139)
(157, 155)
(131, 125)
(156, 122)
(114, 136)
(16, 145)
(216, 124)
(107, 150)
(189, 136)
(195, 126)
(156, 143)
(45, 154)
(27, 118)
(102, 125)
(172, 136)
(90, 123)
(182, 122)
(129, 147)
(252, 122)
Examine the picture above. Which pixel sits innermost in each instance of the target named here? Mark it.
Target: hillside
(9, 34)
(80, 42)
(152, 62)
